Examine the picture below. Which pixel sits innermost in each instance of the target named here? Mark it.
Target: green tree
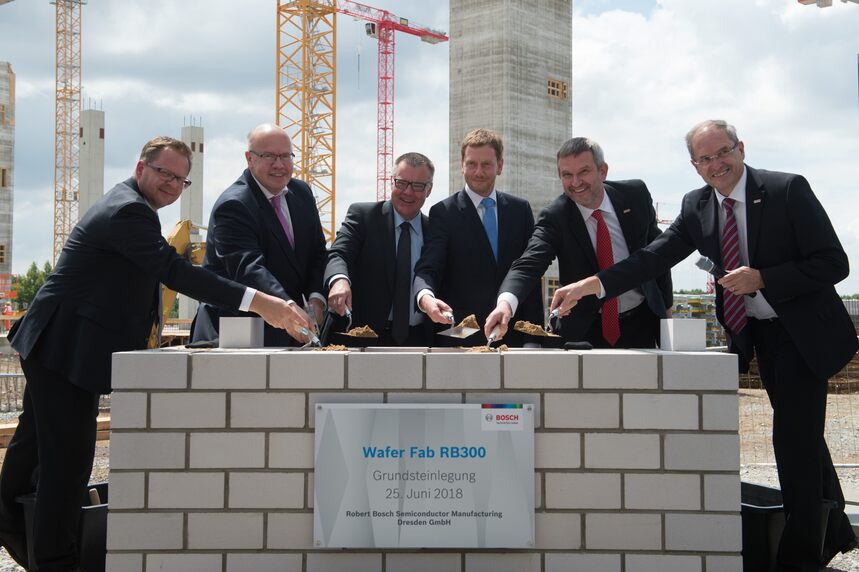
(693, 291)
(28, 284)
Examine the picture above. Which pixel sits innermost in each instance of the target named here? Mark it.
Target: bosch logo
(488, 417)
(507, 417)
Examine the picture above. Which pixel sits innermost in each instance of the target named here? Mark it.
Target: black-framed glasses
(417, 186)
(705, 160)
(272, 157)
(168, 177)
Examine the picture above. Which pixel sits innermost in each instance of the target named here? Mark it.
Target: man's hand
(279, 314)
(742, 281)
(340, 297)
(567, 297)
(500, 317)
(435, 309)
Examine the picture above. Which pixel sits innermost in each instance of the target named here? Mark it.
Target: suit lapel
(708, 207)
(389, 243)
(271, 220)
(754, 207)
(470, 214)
(625, 218)
(580, 233)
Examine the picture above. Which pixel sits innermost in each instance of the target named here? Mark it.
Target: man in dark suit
(769, 231)
(102, 297)
(474, 237)
(571, 228)
(264, 231)
(371, 268)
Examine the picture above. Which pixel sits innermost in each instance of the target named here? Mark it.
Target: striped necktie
(733, 305)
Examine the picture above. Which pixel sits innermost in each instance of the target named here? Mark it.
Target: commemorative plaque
(428, 475)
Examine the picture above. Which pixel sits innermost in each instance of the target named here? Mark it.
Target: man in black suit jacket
(264, 231)
(568, 229)
(460, 268)
(796, 324)
(363, 262)
(102, 297)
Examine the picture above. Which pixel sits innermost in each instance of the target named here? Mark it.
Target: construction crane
(824, 3)
(306, 88)
(67, 117)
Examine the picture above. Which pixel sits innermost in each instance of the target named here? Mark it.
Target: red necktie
(605, 259)
(275, 203)
(733, 305)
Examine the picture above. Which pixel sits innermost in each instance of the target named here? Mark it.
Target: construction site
(212, 465)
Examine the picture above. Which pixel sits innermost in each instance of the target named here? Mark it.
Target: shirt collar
(475, 198)
(605, 206)
(738, 193)
(398, 220)
(269, 196)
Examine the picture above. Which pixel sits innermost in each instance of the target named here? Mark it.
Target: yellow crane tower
(67, 117)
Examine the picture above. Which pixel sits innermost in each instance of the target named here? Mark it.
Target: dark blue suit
(247, 243)
(101, 298)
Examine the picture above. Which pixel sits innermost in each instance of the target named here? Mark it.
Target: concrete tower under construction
(511, 71)
(91, 169)
(7, 164)
(191, 203)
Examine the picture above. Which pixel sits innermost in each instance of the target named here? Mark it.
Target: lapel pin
(756, 201)
(625, 211)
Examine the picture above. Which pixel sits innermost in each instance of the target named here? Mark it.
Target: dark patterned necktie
(733, 305)
(402, 286)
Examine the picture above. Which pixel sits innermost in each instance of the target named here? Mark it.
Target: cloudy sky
(644, 71)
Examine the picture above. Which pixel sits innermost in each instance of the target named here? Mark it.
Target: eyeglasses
(169, 177)
(272, 157)
(707, 159)
(403, 184)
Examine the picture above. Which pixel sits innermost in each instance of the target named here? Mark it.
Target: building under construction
(7, 162)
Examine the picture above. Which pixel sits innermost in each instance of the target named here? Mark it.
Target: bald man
(264, 232)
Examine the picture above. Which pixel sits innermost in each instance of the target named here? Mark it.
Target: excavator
(180, 239)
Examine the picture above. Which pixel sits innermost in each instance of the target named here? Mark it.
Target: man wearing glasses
(474, 237)
(102, 297)
(778, 303)
(590, 226)
(371, 263)
(264, 231)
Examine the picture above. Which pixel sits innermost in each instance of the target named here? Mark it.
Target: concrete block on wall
(267, 409)
(559, 530)
(186, 490)
(385, 370)
(219, 531)
(227, 450)
(329, 562)
(698, 371)
(307, 370)
(507, 562)
(194, 409)
(422, 562)
(662, 562)
(721, 412)
(623, 531)
(463, 371)
(581, 562)
(538, 370)
(704, 532)
(290, 450)
(263, 562)
(621, 451)
(290, 531)
(135, 531)
(619, 369)
(581, 410)
(583, 491)
(266, 490)
(228, 370)
(128, 410)
(147, 450)
(124, 562)
(663, 491)
(150, 369)
(184, 562)
(127, 490)
(722, 492)
(658, 411)
(691, 452)
(557, 451)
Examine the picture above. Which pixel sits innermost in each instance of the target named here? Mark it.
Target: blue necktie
(490, 223)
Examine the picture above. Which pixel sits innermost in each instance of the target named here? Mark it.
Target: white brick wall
(212, 457)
